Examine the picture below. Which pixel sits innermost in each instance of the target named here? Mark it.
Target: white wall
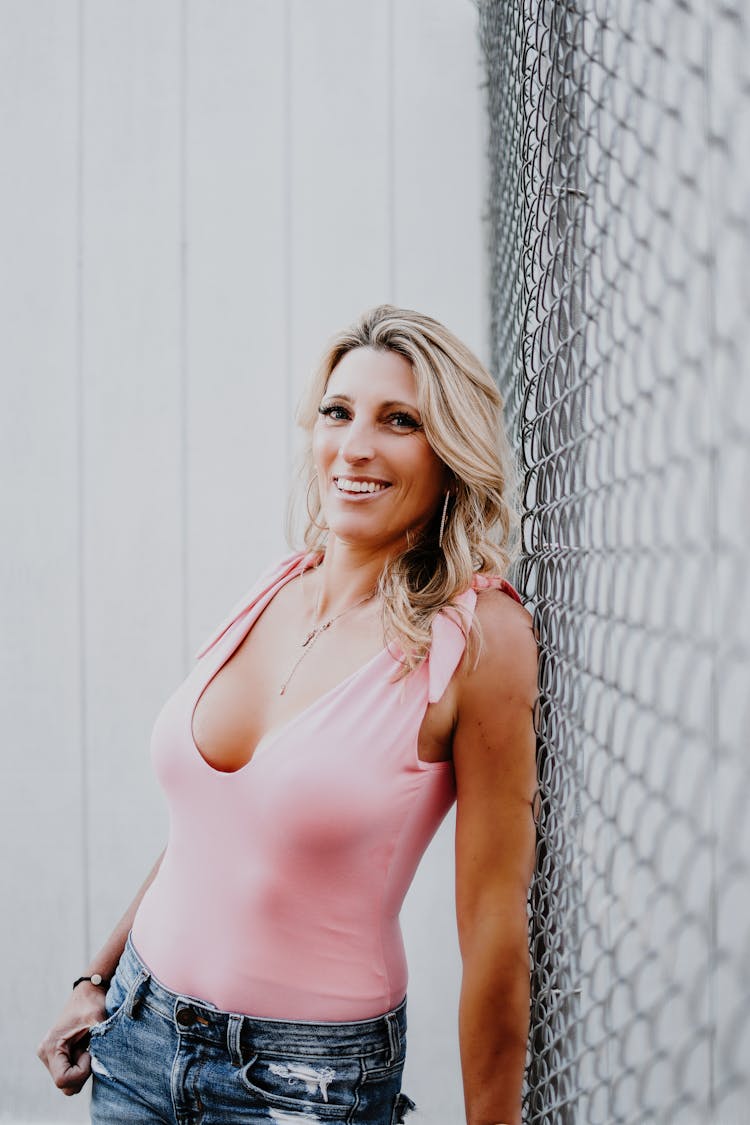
(194, 196)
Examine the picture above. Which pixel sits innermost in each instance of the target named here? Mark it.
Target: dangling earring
(310, 516)
(442, 519)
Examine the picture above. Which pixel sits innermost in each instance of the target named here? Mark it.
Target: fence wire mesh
(619, 225)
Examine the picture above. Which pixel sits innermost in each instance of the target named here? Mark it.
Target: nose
(357, 445)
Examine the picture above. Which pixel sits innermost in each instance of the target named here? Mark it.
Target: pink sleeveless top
(280, 888)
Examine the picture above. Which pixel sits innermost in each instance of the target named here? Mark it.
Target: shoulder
(268, 578)
(507, 660)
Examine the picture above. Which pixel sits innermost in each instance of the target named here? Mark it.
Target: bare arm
(64, 1048)
(494, 754)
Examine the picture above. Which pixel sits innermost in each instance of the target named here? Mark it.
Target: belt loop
(394, 1037)
(135, 991)
(234, 1039)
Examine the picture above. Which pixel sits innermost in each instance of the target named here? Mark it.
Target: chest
(240, 704)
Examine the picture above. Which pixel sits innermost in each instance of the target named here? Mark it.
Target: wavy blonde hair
(461, 410)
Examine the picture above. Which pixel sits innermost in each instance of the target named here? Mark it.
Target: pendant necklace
(315, 632)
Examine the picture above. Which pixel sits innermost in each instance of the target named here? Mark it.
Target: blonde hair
(461, 411)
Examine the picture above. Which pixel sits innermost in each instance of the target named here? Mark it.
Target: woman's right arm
(64, 1049)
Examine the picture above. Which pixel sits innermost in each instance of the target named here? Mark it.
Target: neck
(347, 574)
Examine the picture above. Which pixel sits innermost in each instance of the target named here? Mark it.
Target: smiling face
(377, 474)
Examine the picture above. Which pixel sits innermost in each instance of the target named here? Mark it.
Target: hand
(64, 1049)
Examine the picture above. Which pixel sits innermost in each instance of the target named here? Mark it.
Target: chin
(354, 534)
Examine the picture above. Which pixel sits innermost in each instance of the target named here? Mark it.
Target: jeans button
(186, 1017)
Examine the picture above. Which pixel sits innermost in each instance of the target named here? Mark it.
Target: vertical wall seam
(287, 242)
(183, 341)
(81, 489)
(391, 146)
(714, 573)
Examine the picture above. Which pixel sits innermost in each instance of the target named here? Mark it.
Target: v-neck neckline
(275, 733)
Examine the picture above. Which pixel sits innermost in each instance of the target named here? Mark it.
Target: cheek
(324, 446)
(431, 473)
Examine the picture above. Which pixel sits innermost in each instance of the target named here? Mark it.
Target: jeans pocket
(380, 1090)
(324, 1087)
(114, 1001)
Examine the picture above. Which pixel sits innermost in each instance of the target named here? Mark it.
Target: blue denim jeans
(162, 1057)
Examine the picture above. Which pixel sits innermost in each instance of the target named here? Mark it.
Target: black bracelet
(96, 979)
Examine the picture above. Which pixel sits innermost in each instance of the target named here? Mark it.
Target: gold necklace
(315, 632)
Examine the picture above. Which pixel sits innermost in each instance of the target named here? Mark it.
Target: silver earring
(442, 519)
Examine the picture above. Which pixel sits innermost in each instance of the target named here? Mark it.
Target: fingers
(72, 1080)
(68, 1061)
(74, 1077)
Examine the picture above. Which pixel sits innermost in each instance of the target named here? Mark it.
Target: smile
(345, 484)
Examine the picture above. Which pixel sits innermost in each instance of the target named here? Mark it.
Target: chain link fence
(619, 225)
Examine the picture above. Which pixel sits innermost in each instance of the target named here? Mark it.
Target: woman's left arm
(495, 761)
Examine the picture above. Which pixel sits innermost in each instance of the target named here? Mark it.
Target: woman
(309, 758)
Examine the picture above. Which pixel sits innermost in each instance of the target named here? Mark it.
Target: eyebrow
(384, 405)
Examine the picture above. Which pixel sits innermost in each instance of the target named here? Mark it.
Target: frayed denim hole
(98, 1067)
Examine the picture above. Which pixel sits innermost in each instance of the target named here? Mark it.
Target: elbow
(497, 921)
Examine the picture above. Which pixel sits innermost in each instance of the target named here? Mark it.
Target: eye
(403, 421)
(335, 411)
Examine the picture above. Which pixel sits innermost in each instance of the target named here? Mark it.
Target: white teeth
(345, 485)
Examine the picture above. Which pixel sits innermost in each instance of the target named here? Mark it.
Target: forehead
(371, 373)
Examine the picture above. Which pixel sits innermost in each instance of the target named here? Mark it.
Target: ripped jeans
(162, 1057)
